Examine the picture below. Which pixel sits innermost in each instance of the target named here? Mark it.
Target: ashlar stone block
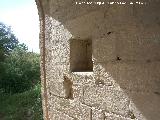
(70, 107)
(106, 98)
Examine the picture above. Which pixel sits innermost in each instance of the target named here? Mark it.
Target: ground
(21, 106)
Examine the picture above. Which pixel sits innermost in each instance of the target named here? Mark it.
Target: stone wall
(100, 62)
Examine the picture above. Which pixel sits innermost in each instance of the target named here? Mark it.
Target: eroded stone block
(145, 105)
(57, 115)
(106, 74)
(104, 49)
(106, 98)
(55, 78)
(97, 114)
(140, 76)
(70, 107)
(111, 116)
(138, 47)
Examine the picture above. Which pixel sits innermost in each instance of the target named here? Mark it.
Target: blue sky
(22, 16)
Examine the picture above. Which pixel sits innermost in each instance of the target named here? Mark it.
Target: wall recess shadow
(81, 55)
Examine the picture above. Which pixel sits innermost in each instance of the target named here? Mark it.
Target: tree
(8, 41)
(22, 70)
(19, 69)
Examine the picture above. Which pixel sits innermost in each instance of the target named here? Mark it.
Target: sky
(22, 16)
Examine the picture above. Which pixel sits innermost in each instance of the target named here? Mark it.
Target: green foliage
(21, 106)
(22, 70)
(20, 97)
(8, 41)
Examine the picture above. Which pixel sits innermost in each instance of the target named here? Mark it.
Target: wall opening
(81, 55)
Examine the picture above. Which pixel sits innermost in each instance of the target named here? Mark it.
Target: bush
(22, 106)
(22, 70)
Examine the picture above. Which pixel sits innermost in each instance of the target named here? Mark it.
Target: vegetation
(21, 71)
(21, 106)
(20, 97)
(8, 41)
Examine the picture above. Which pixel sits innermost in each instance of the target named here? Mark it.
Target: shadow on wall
(139, 85)
(126, 69)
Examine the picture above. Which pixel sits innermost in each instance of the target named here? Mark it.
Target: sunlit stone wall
(100, 62)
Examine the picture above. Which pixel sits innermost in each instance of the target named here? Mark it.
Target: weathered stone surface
(70, 107)
(106, 98)
(125, 80)
(57, 115)
(145, 105)
(57, 41)
(106, 74)
(140, 76)
(86, 28)
(111, 116)
(135, 111)
(105, 48)
(139, 48)
(80, 79)
(60, 9)
(97, 114)
(55, 78)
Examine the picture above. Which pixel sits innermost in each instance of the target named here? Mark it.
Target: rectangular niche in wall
(81, 55)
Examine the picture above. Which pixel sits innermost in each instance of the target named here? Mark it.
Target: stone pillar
(100, 62)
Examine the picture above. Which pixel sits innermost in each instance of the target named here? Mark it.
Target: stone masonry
(100, 62)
